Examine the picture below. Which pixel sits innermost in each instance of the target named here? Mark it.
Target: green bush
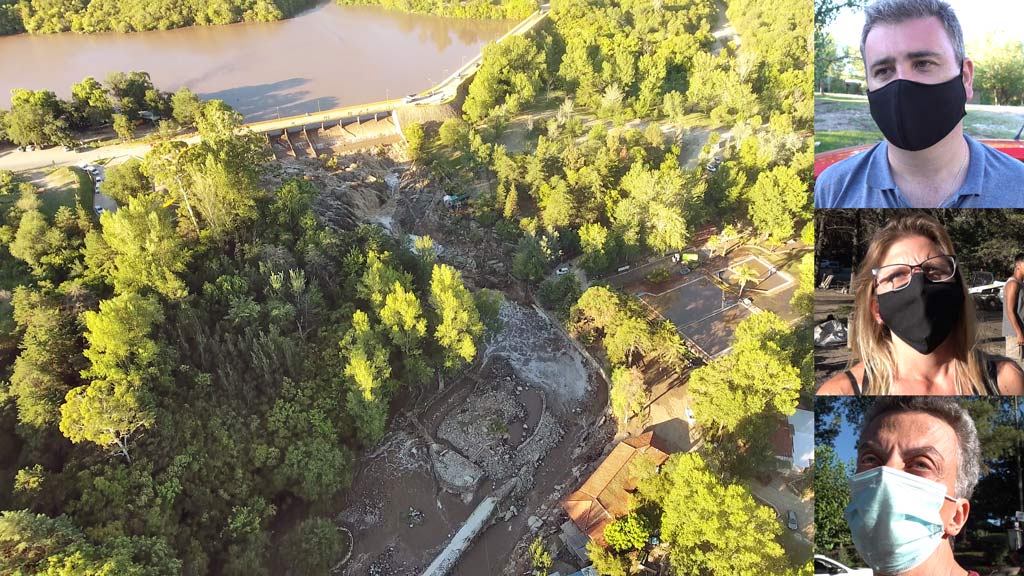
(658, 275)
(314, 547)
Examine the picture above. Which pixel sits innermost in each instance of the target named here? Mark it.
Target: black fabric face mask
(924, 313)
(914, 116)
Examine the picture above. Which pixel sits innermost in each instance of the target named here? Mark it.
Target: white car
(824, 566)
(562, 271)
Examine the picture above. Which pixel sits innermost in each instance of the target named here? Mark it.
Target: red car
(1014, 148)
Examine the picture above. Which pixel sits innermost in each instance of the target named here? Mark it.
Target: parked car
(684, 270)
(98, 209)
(562, 271)
(791, 521)
(824, 566)
(1013, 148)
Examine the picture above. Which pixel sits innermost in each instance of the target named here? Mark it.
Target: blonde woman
(913, 324)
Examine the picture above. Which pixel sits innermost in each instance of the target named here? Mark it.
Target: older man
(919, 80)
(918, 462)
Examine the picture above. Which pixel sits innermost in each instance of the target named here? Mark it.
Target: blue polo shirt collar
(880, 181)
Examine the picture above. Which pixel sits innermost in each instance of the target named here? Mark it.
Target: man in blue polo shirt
(919, 81)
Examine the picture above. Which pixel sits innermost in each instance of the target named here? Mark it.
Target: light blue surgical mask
(894, 518)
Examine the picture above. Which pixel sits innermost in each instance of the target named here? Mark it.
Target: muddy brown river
(327, 57)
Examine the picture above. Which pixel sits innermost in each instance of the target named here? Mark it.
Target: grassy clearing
(65, 187)
(845, 120)
(834, 140)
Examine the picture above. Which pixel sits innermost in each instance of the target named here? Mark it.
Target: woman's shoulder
(1009, 376)
(840, 384)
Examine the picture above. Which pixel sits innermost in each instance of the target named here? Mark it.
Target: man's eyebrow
(868, 445)
(916, 55)
(924, 451)
(871, 445)
(887, 61)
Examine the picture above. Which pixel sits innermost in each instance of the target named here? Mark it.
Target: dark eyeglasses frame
(913, 267)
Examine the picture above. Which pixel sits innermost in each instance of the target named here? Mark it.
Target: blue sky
(1002, 18)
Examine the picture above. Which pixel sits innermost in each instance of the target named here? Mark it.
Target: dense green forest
(38, 117)
(175, 377)
(613, 192)
(50, 16)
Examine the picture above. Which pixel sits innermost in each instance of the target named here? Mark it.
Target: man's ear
(961, 508)
(969, 78)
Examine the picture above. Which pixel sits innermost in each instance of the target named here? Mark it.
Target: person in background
(1013, 310)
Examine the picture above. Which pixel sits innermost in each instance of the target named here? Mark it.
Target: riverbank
(328, 57)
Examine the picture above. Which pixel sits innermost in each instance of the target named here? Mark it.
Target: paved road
(19, 161)
(784, 500)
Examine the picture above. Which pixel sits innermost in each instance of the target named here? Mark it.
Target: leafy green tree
(757, 373)
(46, 368)
(118, 336)
(126, 181)
(511, 205)
(124, 127)
(454, 134)
(530, 262)
(743, 275)
(185, 106)
(416, 139)
(831, 497)
(307, 457)
(778, 200)
(628, 394)
(540, 558)
(90, 103)
(1000, 73)
(803, 299)
(509, 76)
(403, 318)
(459, 327)
(148, 252)
(380, 277)
(129, 91)
(368, 372)
(488, 303)
(29, 242)
(107, 413)
(36, 117)
(712, 527)
(630, 532)
(560, 294)
(607, 563)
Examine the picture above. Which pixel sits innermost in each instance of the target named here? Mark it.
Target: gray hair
(897, 11)
(956, 416)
